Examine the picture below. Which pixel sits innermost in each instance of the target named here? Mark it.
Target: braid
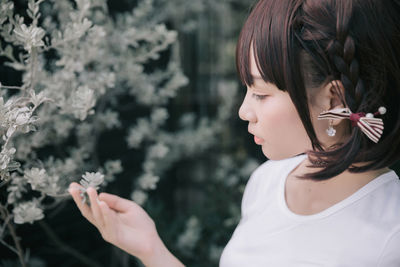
(342, 52)
(343, 57)
(327, 37)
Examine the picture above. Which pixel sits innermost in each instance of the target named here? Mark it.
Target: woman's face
(273, 119)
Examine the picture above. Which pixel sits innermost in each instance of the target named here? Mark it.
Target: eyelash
(259, 97)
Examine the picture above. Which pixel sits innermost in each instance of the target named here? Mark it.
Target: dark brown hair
(299, 44)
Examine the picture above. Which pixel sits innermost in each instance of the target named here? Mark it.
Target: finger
(109, 221)
(117, 203)
(94, 205)
(83, 208)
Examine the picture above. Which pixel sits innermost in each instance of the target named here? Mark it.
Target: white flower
(69, 165)
(138, 133)
(109, 118)
(21, 115)
(187, 120)
(83, 101)
(113, 166)
(159, 116)
(27, 212)
(6, 8)
(158, 150)
(51, 187)
(5, 157)
(139, 197)
(38, 99)
(29, 36)
(148, 181)
(16, 188)
(91, 179)
(36, 177)
(63, 126)
(188, 239)
(41, 181)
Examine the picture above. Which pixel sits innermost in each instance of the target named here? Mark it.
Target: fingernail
(73, 187)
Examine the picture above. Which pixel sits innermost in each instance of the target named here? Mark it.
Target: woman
(323, 85)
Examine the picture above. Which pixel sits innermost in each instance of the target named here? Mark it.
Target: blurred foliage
(141, 95)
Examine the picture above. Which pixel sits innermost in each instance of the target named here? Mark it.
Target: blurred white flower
(148, 181)
(63, 126)
(158, 150)
(82, 102)
(113, 166)
(76, 30)
(36, 177)
(27, 212)
(6, 8)
(159, 116)
(109, 119)
(41, 181)
(138, 133)
(29, 36)
(16, 188)
(189, 238)
(139, 197)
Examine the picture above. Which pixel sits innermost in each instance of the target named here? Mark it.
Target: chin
(271, 155)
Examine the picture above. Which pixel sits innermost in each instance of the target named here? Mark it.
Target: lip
(258, 140)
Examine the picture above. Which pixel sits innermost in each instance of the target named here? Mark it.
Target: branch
(11, 87)
(64, 247)
(4, 182)
(10, 226)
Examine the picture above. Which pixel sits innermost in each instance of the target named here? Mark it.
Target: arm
(159, 255)
(126, 225)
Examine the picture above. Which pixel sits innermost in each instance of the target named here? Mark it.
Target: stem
(10, 226)
(33, 67)
(4, 182)
(8, 246)
(11, 87)
(64, 247)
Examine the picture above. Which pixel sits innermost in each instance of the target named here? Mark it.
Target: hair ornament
(372, 127)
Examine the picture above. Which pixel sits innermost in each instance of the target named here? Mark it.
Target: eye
(259, 97)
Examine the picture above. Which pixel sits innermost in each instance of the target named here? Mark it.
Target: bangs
(265, 31)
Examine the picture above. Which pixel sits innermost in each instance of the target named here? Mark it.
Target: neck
(308, 196)
(345, 176)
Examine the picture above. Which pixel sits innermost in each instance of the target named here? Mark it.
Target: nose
(246, 112)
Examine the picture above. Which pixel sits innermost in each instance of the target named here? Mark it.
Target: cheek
(282, 118)
(284, 131)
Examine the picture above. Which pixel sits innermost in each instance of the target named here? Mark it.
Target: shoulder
(385, 200)
(380, 213)
(390, 256)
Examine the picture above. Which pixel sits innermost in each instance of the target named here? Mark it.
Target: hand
(121, 222)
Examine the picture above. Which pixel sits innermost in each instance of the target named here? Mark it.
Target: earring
(331, 131)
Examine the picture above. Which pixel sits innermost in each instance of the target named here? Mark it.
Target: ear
(333, 95)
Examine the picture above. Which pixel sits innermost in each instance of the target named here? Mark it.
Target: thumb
(116, 203)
